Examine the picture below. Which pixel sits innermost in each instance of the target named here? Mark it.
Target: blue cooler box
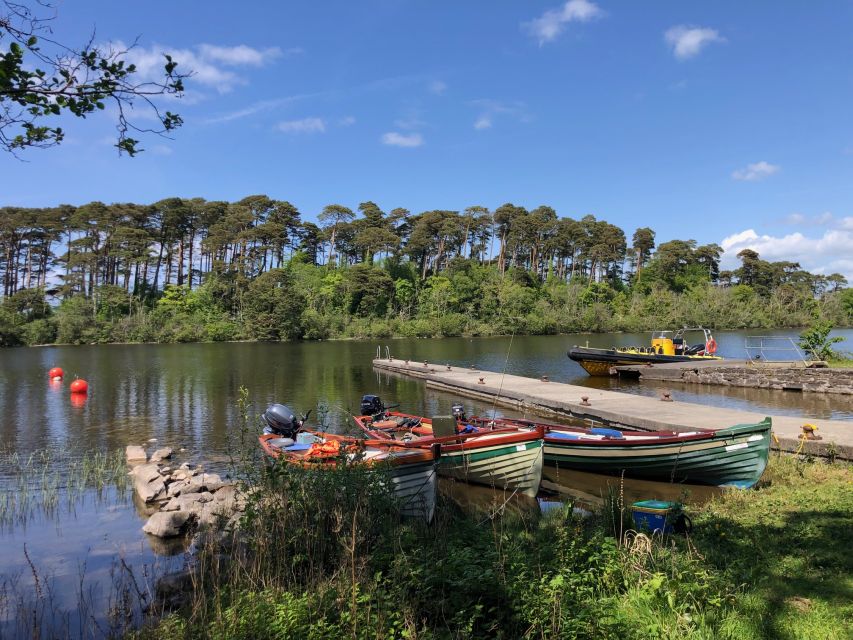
(656, 516)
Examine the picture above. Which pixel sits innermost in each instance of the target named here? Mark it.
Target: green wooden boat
(734, 456)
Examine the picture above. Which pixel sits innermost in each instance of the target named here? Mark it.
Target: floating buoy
(80, 386)
(56, 373)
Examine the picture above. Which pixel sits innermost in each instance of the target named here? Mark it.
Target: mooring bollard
(544, 379)
(426, 364)
(407, 363)
(666, 396)
(585, 401)
(482, 381)
(449, 368)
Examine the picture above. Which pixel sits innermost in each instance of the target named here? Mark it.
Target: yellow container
(663, 346)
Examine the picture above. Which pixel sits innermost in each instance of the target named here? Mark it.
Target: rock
(167, 524)
(146, 472)
(175, 488)
(166, 471)
(188, 502)
(149, 491)
(150, 440)
(180, 474)
(161, 454)
(185, 466)
(135, 453)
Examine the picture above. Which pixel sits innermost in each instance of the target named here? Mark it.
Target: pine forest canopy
(42, 80)
(254, 268)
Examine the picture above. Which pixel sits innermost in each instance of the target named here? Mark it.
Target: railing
(379, 352)
(761, 349)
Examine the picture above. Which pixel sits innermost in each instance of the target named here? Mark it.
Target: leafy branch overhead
(41, 79)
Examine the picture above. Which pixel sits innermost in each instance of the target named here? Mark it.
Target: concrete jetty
(548, 398)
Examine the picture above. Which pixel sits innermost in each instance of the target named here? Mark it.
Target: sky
(724, 122)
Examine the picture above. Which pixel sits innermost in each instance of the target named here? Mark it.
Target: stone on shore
(188, 502)
(135, 453)
(161, 454)
(167, 524)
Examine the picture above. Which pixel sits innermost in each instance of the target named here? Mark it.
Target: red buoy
(55, 373)
(79, 386)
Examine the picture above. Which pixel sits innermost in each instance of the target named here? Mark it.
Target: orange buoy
(55, 373)
(79, 386)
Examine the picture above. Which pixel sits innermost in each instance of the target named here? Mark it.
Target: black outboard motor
(458, 411)
(281, 421)
(371, 405)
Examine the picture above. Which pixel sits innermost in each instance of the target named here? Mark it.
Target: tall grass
(45, 480)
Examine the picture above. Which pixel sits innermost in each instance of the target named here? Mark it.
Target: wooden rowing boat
(507, 458)
(733, 456)
(411, 471)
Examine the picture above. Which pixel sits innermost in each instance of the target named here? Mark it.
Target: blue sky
(726, 122)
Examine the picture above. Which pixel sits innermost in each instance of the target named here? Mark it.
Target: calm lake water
(185, 397)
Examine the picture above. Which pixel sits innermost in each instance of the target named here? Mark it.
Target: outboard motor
(458, 411)
(371, 405)
(281, 420)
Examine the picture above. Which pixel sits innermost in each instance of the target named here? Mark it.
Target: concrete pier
(548, 398)
(782, 376)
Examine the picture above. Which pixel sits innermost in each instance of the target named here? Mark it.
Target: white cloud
(756, 171)
(305, 125)
(437, 87)
(483, 122)
(550, 24)
(207, 63)
(346, 121)
(827, 254)
(687, 41)
(396, 139)
(491, 109)
(846, 223)
(239, 55)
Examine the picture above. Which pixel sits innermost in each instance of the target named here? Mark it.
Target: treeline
(191, 269)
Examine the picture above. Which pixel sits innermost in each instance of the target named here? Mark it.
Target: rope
(503, 374)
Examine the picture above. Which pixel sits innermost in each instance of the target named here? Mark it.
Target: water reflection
(592, 489)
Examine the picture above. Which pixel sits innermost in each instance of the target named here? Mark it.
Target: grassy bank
(771, 562)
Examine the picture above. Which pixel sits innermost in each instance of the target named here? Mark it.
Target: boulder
(167, 524)
(149, 491)
(145, 473)
(188, 502)
(161, 454)
(176, 488)
(135, 453)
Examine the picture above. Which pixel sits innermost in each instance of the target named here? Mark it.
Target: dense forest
(197, 270)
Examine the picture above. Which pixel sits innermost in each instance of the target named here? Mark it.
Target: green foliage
(817, 342)
(273, 307)
(41, 79)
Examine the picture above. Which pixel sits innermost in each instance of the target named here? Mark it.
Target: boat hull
(513, 467)
(736, 456)
(416, 487)
(597, 362)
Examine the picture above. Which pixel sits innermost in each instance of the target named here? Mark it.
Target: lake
(184, 396)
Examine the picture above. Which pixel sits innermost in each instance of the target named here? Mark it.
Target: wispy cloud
(490, 110)
(797, 218)
(396, 139)
(756, 171)
(210, 65)
(346, 121)
(305, 125)
(159, 150)
(483, 122)
(437, 87)
(551, 24)
(687, 41)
